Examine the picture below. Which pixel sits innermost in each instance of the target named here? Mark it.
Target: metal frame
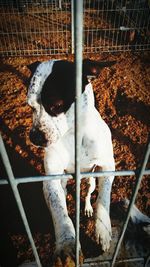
(14, 182)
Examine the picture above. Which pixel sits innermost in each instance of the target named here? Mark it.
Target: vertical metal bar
(132, 201)
(72, 26)
(147, 30)
(17, 197)
(60, 4)
(78, 5)
(136, 22)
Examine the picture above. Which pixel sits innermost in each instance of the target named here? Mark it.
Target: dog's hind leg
(88, 210)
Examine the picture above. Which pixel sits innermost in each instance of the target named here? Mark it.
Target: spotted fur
(55, 131)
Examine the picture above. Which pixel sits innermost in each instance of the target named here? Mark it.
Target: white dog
(51, 95)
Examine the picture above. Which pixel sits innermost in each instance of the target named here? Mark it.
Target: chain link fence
(35, 27)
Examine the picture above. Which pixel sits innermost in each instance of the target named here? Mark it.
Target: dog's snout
(37, 137)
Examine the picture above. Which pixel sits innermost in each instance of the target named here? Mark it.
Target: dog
(51, 95)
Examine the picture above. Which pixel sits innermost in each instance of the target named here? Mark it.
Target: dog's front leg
(103, 224)
(64, 229)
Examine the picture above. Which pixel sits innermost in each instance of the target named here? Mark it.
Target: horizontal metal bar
(119, 28)
(114, 10)
(91, 262)
(47, 10)
(31, 179)
(36, 33)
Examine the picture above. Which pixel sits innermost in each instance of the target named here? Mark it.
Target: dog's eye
(56, 108)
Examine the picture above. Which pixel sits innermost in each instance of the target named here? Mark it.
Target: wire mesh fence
(35, 27)
(116, 26)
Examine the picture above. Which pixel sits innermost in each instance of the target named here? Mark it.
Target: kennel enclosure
(48, 28)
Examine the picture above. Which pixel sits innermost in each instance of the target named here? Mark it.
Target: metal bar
(14, 188)
(78, 22)
(90, 262)
(31, 179)
(60, 4)
(147, 261)
(137, 185)
(72, 26)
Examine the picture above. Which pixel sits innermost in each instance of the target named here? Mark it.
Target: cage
(46, 29)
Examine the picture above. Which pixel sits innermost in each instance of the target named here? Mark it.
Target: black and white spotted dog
(51, 95)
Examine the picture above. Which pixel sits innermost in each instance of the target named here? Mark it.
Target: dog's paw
(65, 255)
(103, 228)
(88, 211)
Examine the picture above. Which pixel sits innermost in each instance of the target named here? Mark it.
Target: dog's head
(52, 93)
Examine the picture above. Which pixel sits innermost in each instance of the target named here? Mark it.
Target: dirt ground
(123, 99)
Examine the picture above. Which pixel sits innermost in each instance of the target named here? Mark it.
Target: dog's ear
(32, 67)
(91, 69)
